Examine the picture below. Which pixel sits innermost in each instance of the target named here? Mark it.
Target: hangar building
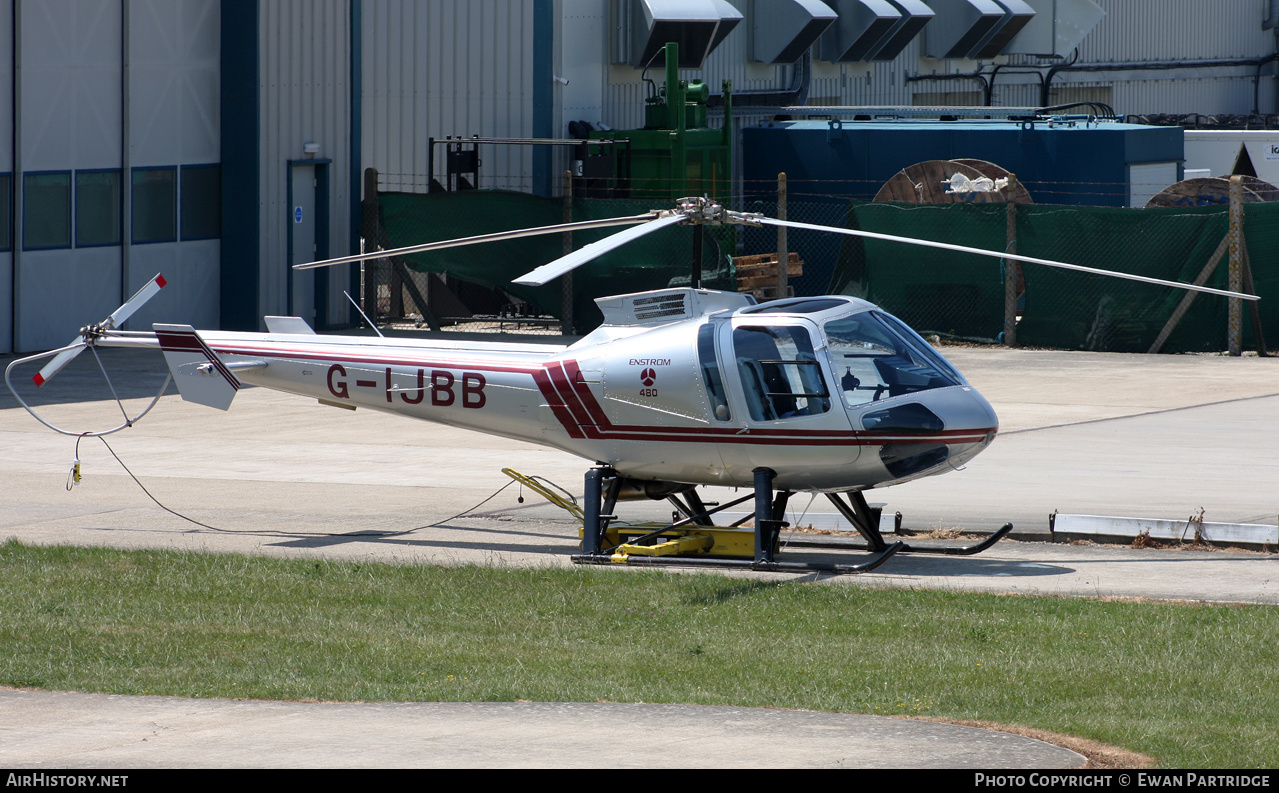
(219, 141)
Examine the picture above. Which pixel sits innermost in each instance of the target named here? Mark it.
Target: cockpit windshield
(876, 356)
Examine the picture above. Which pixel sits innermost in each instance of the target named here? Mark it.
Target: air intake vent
(647, 308)
(668, 305)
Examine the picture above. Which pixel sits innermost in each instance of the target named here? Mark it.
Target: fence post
(368, 283)
(783, 254)
(1012, 268)
(566, 280)
(1235, 327)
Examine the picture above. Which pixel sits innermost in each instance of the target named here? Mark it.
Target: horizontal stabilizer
(200, 374)
(288, 325)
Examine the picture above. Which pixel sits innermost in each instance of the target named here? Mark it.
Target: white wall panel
(192, 270)
(174, 89)
(70, 120)
(6, 89)
(70, 84)
(305, 97)
(6, 166)
(1171, 30)
(582, 49)
(447, 67)
(174, 70)
(64, 290)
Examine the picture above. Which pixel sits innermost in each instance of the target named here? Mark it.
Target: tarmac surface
(1090, 433)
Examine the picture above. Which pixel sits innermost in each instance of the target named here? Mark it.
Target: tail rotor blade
(58, 361)
(117, 318)
(134, 303)
(1001, 255)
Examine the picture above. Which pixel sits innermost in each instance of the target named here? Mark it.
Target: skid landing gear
(865, 519)
(695, 541)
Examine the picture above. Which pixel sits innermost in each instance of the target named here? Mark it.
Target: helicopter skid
(947, 550)
(730, 547)
(744, 564)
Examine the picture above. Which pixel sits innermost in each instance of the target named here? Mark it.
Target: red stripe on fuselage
(556, 404)
(567, 376)
(383, 360)
(581, 415)
(578, 410)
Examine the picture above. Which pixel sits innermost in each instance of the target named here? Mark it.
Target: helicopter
(678, 388)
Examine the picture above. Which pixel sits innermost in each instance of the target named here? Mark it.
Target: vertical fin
(199, 372)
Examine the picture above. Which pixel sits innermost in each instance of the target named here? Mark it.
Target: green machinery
(675, 154)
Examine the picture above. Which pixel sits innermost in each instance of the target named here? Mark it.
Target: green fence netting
(952, 294)
(1092, 312)
(656, 261)
(962, 295)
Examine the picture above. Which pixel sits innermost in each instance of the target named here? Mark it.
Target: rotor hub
(702, 211)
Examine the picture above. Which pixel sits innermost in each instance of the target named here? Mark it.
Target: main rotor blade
(494, 237)
(117, 318)
(999, 254)
(554, 269)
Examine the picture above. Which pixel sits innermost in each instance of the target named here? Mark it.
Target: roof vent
(1017, 15)
(782, 30)
(1057, 27)
(961, 26)
(643, 27)
(914, 15)
(860, 26)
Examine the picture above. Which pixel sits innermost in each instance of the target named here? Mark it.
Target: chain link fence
(953, 295)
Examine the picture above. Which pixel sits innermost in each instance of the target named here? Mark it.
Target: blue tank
(1071, 161)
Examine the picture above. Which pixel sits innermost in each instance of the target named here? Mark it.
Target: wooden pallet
(758, 274)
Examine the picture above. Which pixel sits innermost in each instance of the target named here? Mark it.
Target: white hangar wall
(448, 67)
(305, 149)
(113, 106)
(8, 307)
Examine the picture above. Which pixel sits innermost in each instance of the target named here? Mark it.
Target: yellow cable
(545, 492)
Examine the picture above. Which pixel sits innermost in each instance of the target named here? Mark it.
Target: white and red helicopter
(677, 388)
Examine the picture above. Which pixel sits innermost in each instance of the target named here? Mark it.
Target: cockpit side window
(709, 366)
(780, 375)
(875, 358)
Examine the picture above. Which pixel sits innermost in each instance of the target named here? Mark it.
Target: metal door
(302, 241)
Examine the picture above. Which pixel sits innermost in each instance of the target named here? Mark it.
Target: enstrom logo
(648, 377)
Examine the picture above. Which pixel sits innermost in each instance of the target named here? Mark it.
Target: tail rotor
(91, 332)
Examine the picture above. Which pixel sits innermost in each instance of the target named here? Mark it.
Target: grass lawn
(1186, 684)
